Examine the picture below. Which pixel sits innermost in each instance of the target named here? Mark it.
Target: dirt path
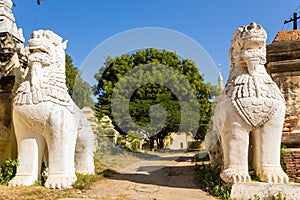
(159, 179)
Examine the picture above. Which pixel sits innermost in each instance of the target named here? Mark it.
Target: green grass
(38, 191)
(85, 182)
(211, 182)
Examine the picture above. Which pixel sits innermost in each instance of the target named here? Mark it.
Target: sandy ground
(162, 178)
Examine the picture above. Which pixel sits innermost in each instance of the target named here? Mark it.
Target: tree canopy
(79, 90)
(160, 98)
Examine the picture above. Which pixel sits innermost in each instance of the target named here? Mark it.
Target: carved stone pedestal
(258, 190)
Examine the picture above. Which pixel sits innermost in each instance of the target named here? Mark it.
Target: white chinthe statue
(249, 115)
(47, 122)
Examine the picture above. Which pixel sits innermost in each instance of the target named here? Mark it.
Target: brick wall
(291, 157)
(287, 36)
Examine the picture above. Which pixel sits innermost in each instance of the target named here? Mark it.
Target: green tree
(215, 92)
(71, 74)
(79, 90)
(166, 104)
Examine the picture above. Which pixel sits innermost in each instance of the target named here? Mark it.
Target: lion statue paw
(231, 175)
(273, 175)
(22, 181)
(60, 182)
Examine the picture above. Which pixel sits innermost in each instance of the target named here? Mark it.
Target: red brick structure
(283, 64)
(292, 160)
(287, 36)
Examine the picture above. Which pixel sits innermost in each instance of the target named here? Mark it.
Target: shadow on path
(161, 178)
(181, 174)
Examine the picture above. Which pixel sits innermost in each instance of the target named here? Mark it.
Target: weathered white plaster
(249, 115)
(257, 190)
(47, 120)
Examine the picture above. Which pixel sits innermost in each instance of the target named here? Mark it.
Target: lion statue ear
(64, 44)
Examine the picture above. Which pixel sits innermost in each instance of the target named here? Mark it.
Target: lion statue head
(46, 80)
(248, 48)
(48, 49)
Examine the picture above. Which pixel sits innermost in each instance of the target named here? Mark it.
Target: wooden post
(294, 20)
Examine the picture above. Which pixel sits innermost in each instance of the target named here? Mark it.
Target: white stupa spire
(220, 78)
(7, 20)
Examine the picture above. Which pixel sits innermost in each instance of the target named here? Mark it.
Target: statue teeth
(255, 39)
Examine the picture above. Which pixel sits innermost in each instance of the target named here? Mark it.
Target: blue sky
(211, 24)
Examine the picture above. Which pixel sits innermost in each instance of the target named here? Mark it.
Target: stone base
(258, 190)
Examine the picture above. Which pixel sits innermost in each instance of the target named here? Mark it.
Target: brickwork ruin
(283, 57)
